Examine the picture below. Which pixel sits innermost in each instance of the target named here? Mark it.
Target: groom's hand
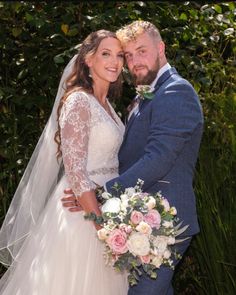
(69, 201)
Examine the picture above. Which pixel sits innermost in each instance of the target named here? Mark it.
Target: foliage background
(37, 39)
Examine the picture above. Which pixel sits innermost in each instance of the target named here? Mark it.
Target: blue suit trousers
(162, 285)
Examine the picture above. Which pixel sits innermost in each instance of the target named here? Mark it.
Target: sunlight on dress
(62, 255)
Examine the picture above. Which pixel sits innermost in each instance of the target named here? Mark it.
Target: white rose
(167, 224)
(124, 205)
(157, 261)
(173, 211)
(160, 243)
(171, 241)
(106, 195)
(167, 254)
(138, 244)
(124, 197)
(102, 234)
(154, 252)
(151, 203)
(165, 204)
(130, 191)
(144, 228)
(112, 205)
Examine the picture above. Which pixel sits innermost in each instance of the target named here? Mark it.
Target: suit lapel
(143, 103)
(131, 120)
(165, 76)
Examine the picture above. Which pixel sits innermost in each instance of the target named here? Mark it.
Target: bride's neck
(100, 92)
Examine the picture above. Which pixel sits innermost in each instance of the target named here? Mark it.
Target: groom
(162, 137)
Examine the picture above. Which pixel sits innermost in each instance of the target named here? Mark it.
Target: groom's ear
(161, 48)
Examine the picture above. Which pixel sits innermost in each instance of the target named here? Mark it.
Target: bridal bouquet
(138, 231)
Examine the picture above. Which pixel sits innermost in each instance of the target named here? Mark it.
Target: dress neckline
(116, 122)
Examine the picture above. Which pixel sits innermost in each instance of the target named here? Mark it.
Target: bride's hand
(70, 201)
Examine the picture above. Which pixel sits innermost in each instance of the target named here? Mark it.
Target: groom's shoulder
(175, 90)
(178, 83)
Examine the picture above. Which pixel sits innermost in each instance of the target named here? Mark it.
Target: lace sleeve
(75, 127)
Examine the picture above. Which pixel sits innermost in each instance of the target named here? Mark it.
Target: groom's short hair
(131, 31)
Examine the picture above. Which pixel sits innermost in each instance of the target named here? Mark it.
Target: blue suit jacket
(161, 145)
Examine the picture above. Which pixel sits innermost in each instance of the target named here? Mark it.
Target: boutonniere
(145, 91)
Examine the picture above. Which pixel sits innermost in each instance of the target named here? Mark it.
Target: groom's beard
(149, 77)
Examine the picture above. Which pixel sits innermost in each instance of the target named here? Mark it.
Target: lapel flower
(145, 91)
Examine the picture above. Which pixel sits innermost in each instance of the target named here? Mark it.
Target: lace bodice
(90, 140)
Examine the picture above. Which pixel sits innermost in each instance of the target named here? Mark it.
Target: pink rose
(136, 217)
(153, 218)
(117, 241)
(145, 259)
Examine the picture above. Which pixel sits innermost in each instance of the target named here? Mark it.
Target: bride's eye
(105, 53)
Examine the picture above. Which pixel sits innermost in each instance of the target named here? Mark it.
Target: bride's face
(107, 62)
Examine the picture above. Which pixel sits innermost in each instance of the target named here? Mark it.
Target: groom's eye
(142, 52)
(128, 56)
(121, 55)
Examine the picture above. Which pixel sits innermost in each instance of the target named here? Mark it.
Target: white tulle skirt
(62, 256)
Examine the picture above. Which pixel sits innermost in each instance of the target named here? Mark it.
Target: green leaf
(73, 32)
(58, 59)
(231, 6)
(16, 32)
(218, 8)
(16, 6)
(29, 17)
(183, 16)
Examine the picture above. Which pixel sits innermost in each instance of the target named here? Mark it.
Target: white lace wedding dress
(62, 255)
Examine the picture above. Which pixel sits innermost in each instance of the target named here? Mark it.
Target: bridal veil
(38, 181)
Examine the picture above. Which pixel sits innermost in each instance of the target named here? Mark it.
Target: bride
(50, 251)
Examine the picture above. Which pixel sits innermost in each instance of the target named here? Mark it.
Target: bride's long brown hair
(80, 78)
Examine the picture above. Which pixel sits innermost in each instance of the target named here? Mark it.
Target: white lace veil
(38, 181)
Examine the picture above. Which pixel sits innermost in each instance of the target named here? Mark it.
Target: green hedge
(37, 39)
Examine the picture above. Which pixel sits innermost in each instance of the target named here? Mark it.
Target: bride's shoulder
(77, 98)
(79, 94)
(75, 102)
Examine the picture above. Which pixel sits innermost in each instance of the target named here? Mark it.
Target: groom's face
(143, 58)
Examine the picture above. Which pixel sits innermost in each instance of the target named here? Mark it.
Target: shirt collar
(162, 70)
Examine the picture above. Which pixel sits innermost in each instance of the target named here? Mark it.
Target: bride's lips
(112, 70)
